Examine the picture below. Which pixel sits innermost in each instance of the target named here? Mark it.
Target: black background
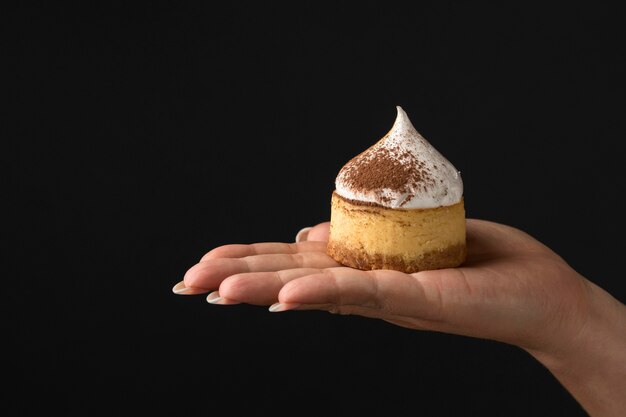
(139, 137)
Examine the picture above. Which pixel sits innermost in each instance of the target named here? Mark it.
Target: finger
(319, 232)
(380, 293)
(266, 248)
(302, 234)
(260, 288)
(210, 273)
(181, 289)
(216, 298)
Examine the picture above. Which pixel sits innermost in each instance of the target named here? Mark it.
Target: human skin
(511, 288)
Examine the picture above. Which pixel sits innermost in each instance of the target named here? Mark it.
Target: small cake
(398, 205)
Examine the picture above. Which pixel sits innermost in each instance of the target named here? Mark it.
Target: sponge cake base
(367, 236)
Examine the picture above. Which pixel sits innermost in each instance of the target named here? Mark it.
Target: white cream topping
(401, 170)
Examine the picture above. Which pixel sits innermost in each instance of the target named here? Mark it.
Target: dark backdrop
(139, 137)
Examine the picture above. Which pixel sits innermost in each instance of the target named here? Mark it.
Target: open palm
(512, 288)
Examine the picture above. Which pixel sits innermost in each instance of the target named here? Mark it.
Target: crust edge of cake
(449, 257)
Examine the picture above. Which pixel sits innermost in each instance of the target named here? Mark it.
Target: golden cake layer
(368, 236)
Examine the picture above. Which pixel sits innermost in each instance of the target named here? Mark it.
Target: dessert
(398, 205)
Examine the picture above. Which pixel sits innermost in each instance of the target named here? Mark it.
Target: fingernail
(302, 234)
(278, 307)
(214, 297)
(180, 288)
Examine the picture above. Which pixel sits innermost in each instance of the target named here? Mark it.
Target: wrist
(591, 362)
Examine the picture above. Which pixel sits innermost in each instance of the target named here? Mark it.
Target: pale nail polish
(180, 288)
(302, 234)
(214, 297)
(278, 307)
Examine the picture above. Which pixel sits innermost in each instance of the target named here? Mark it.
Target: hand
(511, 288)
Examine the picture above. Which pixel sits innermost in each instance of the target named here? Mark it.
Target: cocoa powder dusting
(387, 168)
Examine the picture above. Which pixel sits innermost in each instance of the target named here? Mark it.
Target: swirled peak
(402, 170)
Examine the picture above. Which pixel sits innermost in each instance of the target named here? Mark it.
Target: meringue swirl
(401, 171)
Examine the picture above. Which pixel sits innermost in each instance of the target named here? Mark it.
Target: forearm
(593, 365)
